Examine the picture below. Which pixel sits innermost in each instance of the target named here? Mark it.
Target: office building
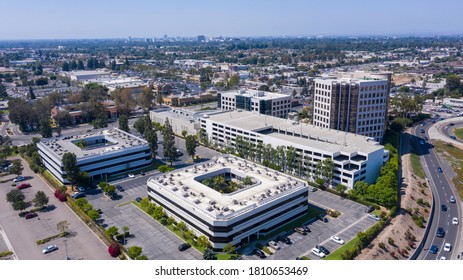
(268, 103)
(102, 154)
(354, 104)
(251, 200)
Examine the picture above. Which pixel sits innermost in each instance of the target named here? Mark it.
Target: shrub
(390, 240)
(114, 250)
(62, 197)
(382, 245)
(134, 252)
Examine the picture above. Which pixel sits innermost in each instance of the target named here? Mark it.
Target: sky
(64, 19)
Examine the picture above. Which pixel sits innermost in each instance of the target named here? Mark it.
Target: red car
(23, 186)
(30, 216)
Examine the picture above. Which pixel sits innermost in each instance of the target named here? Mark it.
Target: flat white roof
(257, 94)
(119, 140)
(322, 138)
(269, 185)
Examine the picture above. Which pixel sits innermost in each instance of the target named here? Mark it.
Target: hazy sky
(62, 19)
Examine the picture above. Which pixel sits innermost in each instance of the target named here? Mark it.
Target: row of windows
(370, 128)
(322, 99)
(371, 115)
(372, 108)
(322, 86)
(370, 88)
(320, 112)
(322, 106)
(323, 93)
(228, 98)
(374, 121)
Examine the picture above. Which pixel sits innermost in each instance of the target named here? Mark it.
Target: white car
(374, 217)
(337, 239)
(452, 199)
(274, 245)
(442, 258)
(317, 252)
(131, 175)
(455, 221)
(447, 247)
(49, 249)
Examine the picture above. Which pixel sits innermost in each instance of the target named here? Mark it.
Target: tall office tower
(356, 103)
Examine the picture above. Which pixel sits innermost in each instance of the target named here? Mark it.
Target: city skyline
(49, 19)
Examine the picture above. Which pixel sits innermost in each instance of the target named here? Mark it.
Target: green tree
(20, 205)
(189, 234)
(125, 230)
(40, 199)
(80, 65)
(81, 202)
(328, 170)
(152, 138)
(190, 143)
(134, 251)
(62, 227)
(112, 231)
(341, 189)
(145, 99)
(31, 93)
(170, 151)
(70, 166)
(141, 257)
(14, 196)
(229, 249)
(109, 189)
(17, 167)
(182, 226)
(203, 241)
(452, 82)
(93, 214)
(45, 128)
(65, 66)
(159, 213)
(139, 125)
(124, 123)
(209, 254)
(159, 99)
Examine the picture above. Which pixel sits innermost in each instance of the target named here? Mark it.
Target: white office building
(268, 103)
(85, 75)
(236, 211)
(453, 102)
(357, 105)
(356, 157)
(102, 154)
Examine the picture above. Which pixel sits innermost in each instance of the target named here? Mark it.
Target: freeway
(436, 174)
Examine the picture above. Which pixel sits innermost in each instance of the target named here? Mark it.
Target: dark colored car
(323, 249)
(119, 188)
(453, 137)
(30, 216)
(443, 207)
(142, 173)
(138, 199)
(433, 249)
(284, 239)
(439, 170)
(306, 228)
(99, 211)
(259, 253)
(184, 246)
(23, 186)
(440, 232)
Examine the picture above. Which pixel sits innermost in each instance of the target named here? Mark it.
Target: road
(442, 191)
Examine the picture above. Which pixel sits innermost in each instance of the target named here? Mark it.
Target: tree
(141, 257)
(109, 189)
(124, 123)
(41, 199)
(123, 101)
(159, 213)
(71, 167)
(45, 128)
(203, 241)
(62, 227)
(341, 189)
(152, 138)
(452, 82)
(145, 99)
(41, 81)
(328, 170)
(229, 249)
(14, 196)
(190, 143)
(101, 120)
(139, 125)
(112, 231)
(182, 226)
(93, 214)
(134, 251)
(170, 151)
(20, 205)
(80, 65)
(17, 167)
(159, 99)
(114, 249)
(66, 66)
(209, 254)
(125, 230)
(31, 93)
(189, 234)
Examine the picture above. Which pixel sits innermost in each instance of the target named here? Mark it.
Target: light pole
(66, 249)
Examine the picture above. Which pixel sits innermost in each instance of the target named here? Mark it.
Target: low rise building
(102, 154)
(229, 199)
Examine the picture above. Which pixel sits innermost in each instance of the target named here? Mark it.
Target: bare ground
(400, 238)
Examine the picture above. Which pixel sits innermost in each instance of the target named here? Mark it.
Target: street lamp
(66, 249)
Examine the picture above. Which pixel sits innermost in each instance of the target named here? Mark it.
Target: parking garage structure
(229, 199)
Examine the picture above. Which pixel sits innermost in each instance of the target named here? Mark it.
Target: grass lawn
(416, 164)
(336, 255)
(458, 133)
(311, 213)
(454, 156)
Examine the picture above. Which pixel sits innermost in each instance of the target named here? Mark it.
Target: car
(439, 169)
(369, 209)
(23, 186)
(433, 249)
(317, 252)
(119, 188)
(284, 239)
(442, 258)
(19, 179)
(453, 137)
(142, 173)
(374, 217)
(313, 189)
(443, 207)
(49, 249)
(306, 228)
(81, 189)
(451, 124)
(447, 247)
(259, 253)
(323, 249)
(138, 199)
(452, 199)
(131, 175)
(274, 245)
(440, 232)
(184, 246)
(337, 239)
(77, 195)
(455, 221)
(179, 153)
(422, 130)
(30, 216)
(99, 211)
(300, 230)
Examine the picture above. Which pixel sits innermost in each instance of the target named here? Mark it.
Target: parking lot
(352, 220)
